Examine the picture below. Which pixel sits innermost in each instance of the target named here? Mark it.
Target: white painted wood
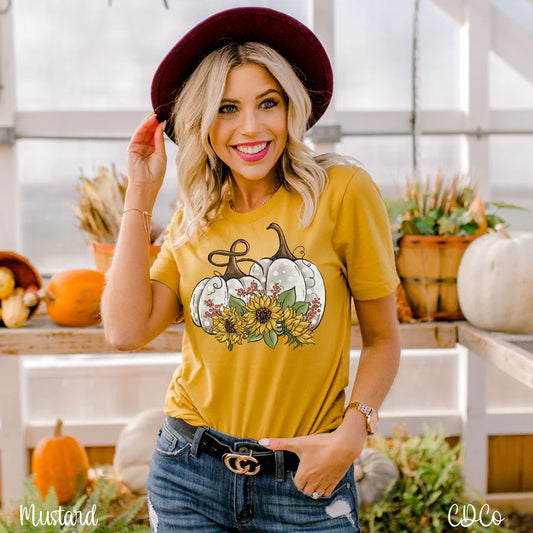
(90, 432)
(474, 434)
(453, 8)
(510, 423)
(476, 46)
(512, 120)
(512, 43)
(323, 25)
(9, 199)
(78, 124)
(12, 432)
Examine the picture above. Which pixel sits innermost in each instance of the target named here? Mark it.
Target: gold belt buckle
(239, 464)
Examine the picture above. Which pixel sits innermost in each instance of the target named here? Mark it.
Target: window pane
(520, 11)
(89, 55)
(510, 173)
(49, 172)
(508, 88)
(373, 44)
(389, 159)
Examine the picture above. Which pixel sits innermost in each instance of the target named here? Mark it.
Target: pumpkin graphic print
(281, 298)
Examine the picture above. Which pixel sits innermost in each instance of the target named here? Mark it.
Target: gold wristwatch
(372, 419)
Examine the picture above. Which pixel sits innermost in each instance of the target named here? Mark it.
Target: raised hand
(146, 156)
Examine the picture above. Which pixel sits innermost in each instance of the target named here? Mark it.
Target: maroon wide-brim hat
(289, 37)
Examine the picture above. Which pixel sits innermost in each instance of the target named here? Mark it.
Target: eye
(227, 109)
(269, 103)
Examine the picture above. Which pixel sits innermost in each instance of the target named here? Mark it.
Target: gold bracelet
(146, 217)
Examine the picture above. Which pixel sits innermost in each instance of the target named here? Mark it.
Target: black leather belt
(251, 463)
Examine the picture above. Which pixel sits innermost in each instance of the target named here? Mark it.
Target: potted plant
(99, 206)
(432, 224)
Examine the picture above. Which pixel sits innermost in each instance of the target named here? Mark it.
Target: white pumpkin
(211, 295)
(495, 282)
(283, 271)
(135, 447)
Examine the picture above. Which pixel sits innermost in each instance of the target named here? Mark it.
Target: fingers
(144, 135)
(315, 488)
(292, 445)
(159, 141)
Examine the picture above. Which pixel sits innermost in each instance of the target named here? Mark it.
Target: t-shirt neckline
(251, 216)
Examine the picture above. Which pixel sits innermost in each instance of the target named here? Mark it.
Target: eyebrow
(262, 95)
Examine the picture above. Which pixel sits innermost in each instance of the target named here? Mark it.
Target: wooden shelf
(40, 336)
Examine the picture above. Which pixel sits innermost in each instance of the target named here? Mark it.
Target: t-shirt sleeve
(165, 268)
(362, 238)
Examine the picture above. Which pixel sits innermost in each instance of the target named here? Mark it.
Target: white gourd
(135, 447)
(495, 282)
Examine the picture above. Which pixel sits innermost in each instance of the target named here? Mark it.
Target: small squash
(375, 475)
(7, 282)
(61, 462)
(14, 312)
(73, 297)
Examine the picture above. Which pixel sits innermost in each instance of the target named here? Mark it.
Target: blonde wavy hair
(203, 179)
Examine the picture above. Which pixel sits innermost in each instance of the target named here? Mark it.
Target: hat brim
(289, 37)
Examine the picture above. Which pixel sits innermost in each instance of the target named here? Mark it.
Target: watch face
(373, 423)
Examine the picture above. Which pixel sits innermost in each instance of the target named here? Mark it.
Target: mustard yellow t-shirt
(266, 307)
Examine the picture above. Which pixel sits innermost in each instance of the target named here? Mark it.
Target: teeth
(251, 149)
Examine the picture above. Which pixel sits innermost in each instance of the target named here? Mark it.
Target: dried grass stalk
(100, 203)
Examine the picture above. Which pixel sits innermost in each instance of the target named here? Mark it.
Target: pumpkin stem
(232, 267)
(58, 428)
(283, 251)
(49, 297)
(501, 229)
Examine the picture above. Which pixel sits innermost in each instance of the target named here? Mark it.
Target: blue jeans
(192, 492)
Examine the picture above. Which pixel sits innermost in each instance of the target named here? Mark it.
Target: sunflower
(296, 328)
(262, 314)
(229, 327)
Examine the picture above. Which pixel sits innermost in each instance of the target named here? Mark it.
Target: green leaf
(271, 339)
(462, 217)
(287, 298)
(433, 214)
(254, 338)
(446, 225)
(397, 208)
(301, 307)
(238, 304)
(408, 227)
(425, 225)
(505, 205)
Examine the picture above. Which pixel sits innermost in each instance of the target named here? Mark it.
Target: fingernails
(264, 442)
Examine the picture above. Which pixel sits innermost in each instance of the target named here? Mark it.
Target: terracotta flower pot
(103, 255)
(428, 266)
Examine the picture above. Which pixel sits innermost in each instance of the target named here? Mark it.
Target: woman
(261, 259)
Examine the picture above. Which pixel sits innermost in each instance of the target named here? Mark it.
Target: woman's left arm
(325, 457)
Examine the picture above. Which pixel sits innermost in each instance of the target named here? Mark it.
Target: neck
(252, 195)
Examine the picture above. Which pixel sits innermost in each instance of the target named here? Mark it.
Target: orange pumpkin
(73, 297)
(61, 462)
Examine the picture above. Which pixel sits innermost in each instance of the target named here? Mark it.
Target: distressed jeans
(193, 492)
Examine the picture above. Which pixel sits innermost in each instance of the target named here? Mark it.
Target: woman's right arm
(135, 309)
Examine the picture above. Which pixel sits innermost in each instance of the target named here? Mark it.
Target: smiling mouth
(251, 149)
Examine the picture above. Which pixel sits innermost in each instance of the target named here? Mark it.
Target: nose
(250, 122)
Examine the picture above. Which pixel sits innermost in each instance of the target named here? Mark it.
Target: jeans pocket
(342, 486)
(170, 443)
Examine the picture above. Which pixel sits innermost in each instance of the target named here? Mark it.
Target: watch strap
(366, 410)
